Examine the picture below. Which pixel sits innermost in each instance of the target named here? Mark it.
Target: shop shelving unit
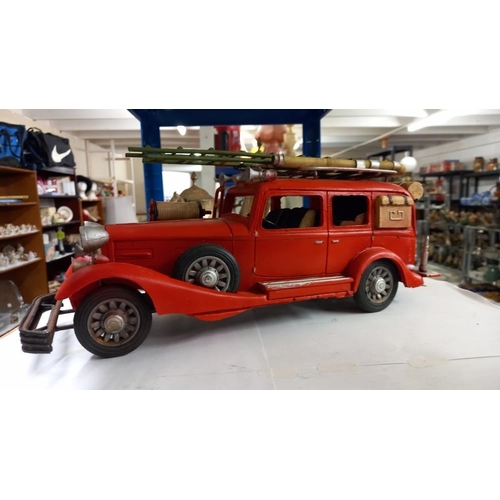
(470, 274)
(60, 264)
(29, 276)
(466, 177)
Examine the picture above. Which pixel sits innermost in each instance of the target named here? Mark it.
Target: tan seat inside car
(308, 220)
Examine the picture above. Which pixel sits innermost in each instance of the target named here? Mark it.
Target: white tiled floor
(434, 337)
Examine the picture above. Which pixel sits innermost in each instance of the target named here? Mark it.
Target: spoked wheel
(112, 321)
(210, 266)
(377, 287)
(210, 272)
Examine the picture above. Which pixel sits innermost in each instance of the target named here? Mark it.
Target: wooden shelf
(23, 264)
(95, 208)
(58, 196)
(22, 204)
(55, 226)
(57, 170)
(18, 235)
(8, 171)
(60, 257)
(462, 173)
(29, 276)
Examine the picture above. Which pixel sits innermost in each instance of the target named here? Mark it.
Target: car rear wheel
(210, 266)
(112, 321)
(377, 287)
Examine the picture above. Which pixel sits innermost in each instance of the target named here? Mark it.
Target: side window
(289, 212)
(350, 210)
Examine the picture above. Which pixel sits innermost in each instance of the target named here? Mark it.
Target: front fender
(168, 295)
(359, 263)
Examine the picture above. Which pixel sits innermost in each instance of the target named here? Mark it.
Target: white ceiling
(341, 129)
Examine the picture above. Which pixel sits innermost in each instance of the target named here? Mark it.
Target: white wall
(140, 193)
(98, 162)
(485, 145)
(206, 179)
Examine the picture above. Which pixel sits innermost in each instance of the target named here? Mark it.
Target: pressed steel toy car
(272, 240)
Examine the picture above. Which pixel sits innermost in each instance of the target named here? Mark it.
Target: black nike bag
(47, 150)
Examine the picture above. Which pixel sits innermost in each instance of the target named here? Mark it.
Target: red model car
(273, 241)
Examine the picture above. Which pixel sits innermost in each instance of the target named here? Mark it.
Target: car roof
(319, 185)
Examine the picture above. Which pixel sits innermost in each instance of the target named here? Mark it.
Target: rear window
(350, 210)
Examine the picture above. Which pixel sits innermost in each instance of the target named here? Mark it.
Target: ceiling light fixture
(439, 118)
(181, 129)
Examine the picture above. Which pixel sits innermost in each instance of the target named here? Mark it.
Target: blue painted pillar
(153, 179)
(311, 138)
(311, 142)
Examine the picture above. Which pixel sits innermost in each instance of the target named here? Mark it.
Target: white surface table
(433, 337)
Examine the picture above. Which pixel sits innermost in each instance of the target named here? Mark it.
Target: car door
(350, 228)
(292, 236)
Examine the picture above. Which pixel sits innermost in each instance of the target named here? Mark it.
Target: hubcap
(114, 322)
(208, 277)
(210, 272)
(379, 285)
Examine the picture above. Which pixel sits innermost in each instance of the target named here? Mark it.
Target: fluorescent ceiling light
(175, 128)
(438, 118)
(181, 129)
(421, 113)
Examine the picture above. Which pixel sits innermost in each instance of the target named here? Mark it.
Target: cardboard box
(68, 188)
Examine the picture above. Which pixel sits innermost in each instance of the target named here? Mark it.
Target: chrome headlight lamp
(93, 236)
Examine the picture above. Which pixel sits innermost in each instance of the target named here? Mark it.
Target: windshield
(241, 205)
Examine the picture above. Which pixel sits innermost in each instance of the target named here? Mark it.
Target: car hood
(170, 229)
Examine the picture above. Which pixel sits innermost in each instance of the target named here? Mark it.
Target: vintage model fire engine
(288, 229)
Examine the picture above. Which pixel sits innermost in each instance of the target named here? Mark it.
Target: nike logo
(58, 158)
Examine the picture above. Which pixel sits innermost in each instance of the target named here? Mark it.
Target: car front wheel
(112, 321)
(377, 287)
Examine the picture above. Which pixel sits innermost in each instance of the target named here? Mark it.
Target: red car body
(266, 254)
(328, 259)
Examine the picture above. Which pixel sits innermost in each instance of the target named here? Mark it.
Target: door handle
(335, 241)
(318, 242)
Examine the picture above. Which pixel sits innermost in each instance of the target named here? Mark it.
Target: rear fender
(358, 265)
(168, 295)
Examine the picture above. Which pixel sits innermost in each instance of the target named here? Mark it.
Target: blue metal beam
(213, 117)
(152, 119)
(311, 138)
(153, 178)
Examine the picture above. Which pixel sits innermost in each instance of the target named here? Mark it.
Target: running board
(305, 287)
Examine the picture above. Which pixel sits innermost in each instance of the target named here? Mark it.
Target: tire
(377, 287)
(110, 335)
(210, 266)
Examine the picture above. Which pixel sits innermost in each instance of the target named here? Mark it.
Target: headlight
(93, 236)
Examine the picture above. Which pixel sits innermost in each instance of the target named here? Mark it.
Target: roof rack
(337, 173)
(283, 165)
